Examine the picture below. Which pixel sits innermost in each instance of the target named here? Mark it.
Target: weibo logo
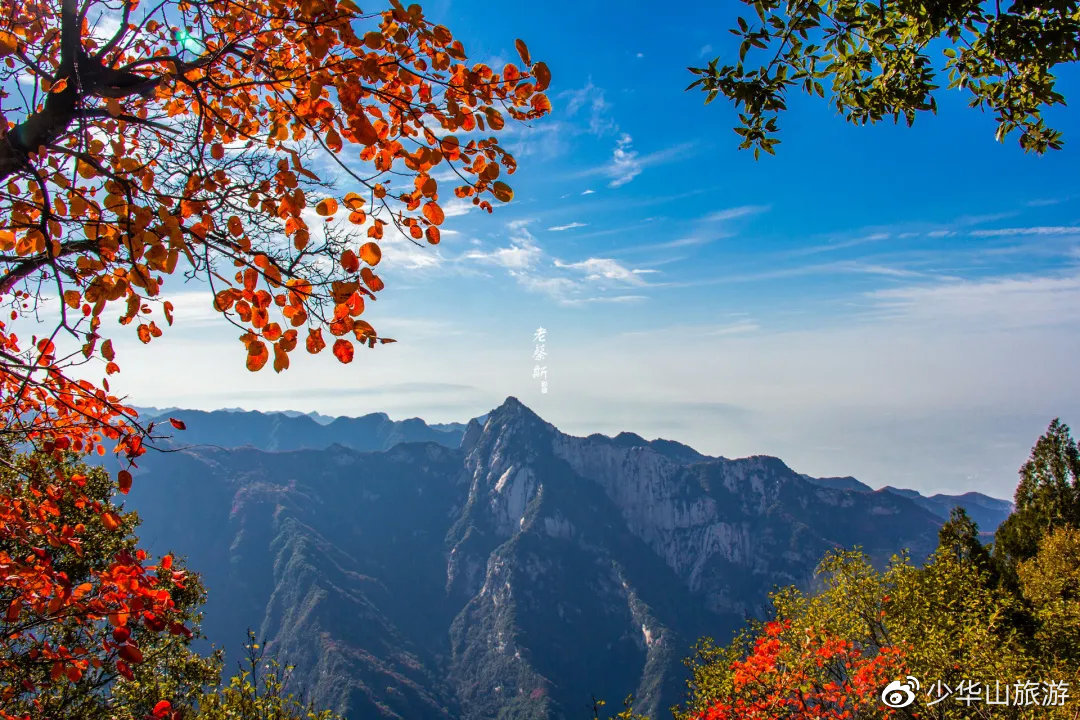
(900, 694)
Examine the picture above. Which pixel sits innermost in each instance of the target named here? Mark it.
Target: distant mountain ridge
(293, 430)
(279, 431)
(514, 573)
(988, 512)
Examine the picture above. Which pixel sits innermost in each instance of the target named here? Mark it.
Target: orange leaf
(433, 235)
(9, 43)
(110, 520)
(59, 86)
(236, 227)
(326, 207)
(373, 40)
(281, 358)
(349, 262)
(362, 129)
(502, 191)
(434, 213)
(315, 342)
(257, 356)
(541, 104)
(523, 51)
(370, 253)
(343, 351)
(372, 280)
(333, 140)
(542, 75)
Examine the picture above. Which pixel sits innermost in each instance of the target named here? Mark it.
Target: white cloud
(625, 165)
(568, 226)
(705, 50)
(588, 192)
(606, 269)
(522, 254)
(457, 207)
(626, 162)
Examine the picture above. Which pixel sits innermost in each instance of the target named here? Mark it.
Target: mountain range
(499, 569)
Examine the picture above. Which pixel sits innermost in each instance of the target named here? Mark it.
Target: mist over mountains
(500, 568)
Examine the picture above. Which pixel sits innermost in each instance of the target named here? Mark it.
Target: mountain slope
(515, 576)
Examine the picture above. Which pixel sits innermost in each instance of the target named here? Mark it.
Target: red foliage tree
(813, 676)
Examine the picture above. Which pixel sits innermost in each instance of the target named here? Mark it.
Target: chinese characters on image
(539, 356)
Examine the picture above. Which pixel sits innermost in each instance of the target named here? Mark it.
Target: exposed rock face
(515, 576)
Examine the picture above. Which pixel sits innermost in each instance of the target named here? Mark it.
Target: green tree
(959, 536)
(883, 58)
(258, 692)
(1048, 496)
(1050, 584)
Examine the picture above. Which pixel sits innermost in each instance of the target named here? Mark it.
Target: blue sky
(892, 303)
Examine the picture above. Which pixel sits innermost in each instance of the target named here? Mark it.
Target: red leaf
(130, 653)
(343, 351)
(123, 478)
(178, 424)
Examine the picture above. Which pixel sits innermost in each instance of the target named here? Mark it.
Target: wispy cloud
(834, 246)
(625, 165)
(832, 268)
(1038, 230)
(590, 98)
(568, 226)
(588, 192)
(564, 282)
(703, 330)
(735, 212)
(1001, 303)
(1045, 202)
